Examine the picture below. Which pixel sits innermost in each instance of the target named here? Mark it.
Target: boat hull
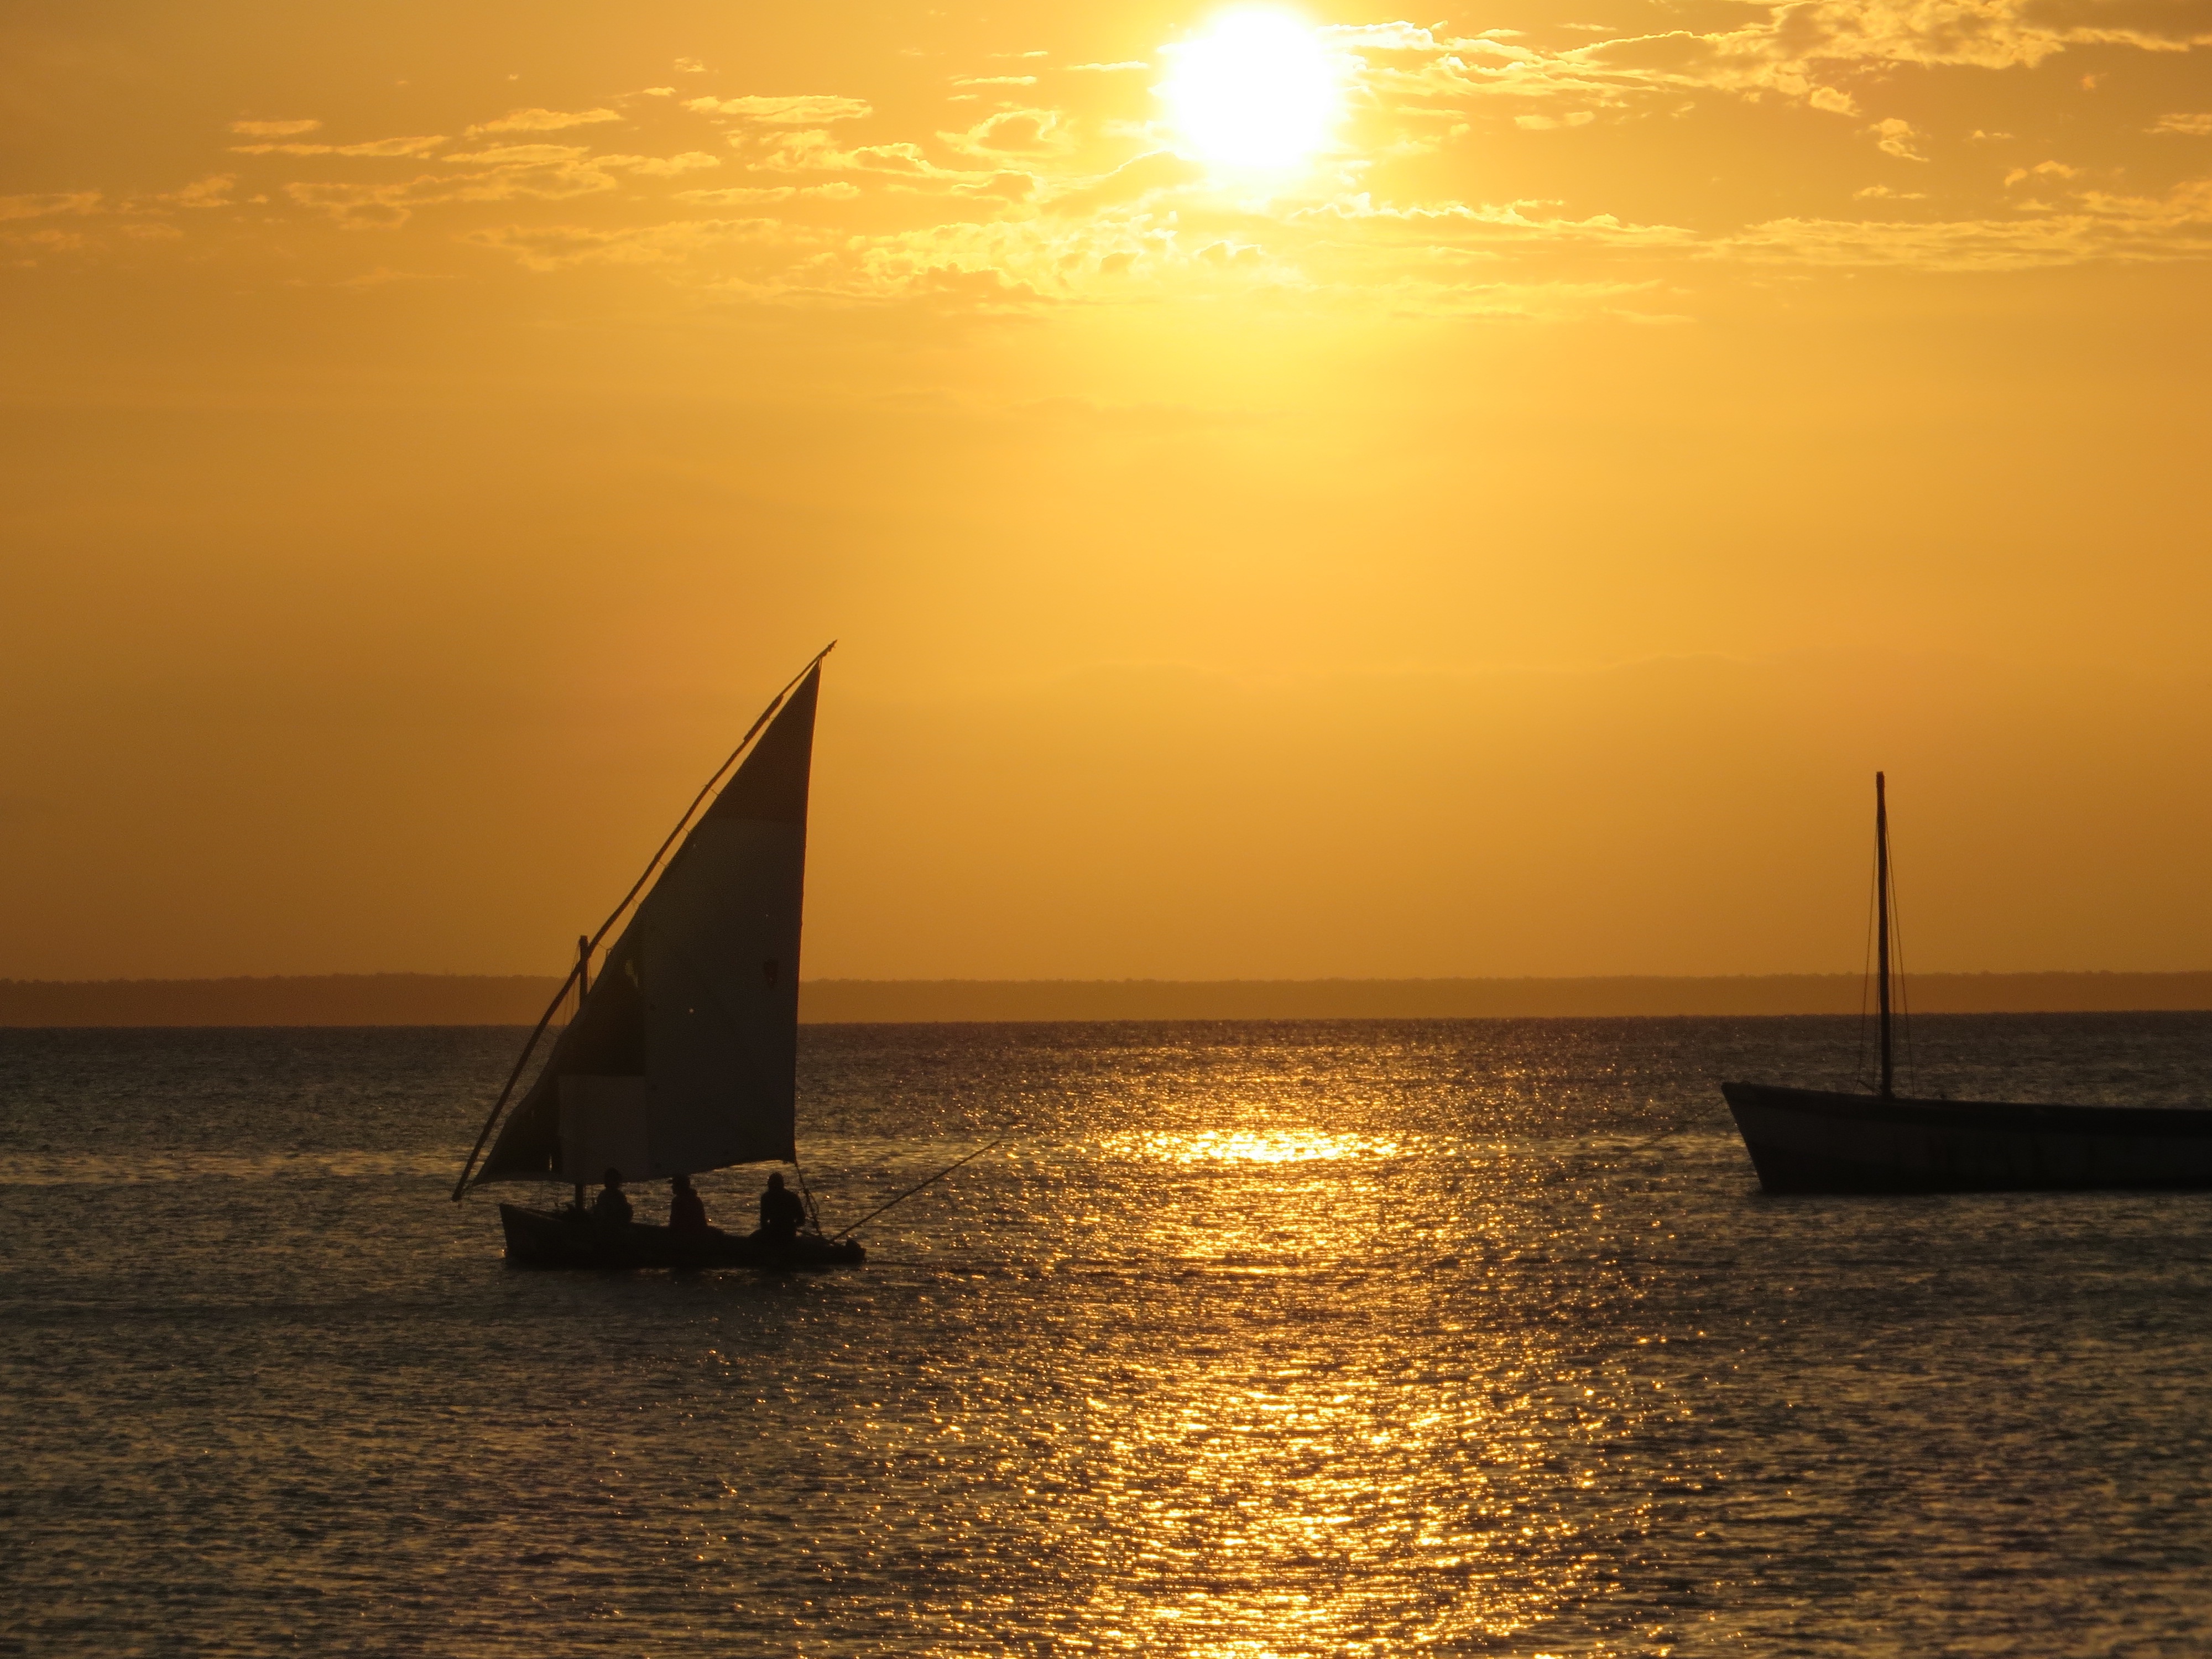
(1809, 1141)
(563, 1238)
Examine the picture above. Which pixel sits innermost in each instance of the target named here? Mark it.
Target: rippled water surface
(1251, 1339)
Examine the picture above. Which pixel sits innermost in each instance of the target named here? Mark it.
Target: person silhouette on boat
(687, 1211)
(610, 1209)
(781, 1211)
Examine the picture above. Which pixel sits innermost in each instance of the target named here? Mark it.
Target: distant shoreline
(519, 998)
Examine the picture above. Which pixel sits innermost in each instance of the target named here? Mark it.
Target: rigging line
(499, 1105)
(1904, 999)
(653, 864)
(912, 1190)
(585, 956)
(1866, 966)
(813, 1217)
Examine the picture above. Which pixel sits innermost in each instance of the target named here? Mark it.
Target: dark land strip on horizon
(519, 998)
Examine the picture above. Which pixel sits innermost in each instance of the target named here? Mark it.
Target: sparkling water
(1249, 1338)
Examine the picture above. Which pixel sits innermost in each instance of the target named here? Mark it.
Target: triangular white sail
(683, 1054)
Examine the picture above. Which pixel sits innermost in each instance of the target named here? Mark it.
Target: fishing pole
(912, 1190)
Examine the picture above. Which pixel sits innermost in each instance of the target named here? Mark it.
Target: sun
(1255, 91)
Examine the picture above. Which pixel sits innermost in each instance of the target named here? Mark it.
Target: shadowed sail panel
(682, 1057)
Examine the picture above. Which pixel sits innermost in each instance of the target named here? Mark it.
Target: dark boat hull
(561, 1238)
(1809, 1140)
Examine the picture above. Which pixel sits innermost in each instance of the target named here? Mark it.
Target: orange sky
(1504, 542)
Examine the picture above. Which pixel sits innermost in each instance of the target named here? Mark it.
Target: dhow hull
(563, 1238)
(1809, 1141)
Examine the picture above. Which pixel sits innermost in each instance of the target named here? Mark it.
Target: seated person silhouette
(780, 1212)
(687, 1211)
(610, 1209)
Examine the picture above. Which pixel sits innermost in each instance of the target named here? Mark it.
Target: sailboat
(1814, 1140)
(681, 1054)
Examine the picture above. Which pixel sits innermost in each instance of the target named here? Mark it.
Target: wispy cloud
(1015, 134)
(661, 167)
(503, 174)
(41, 207)
(798, 110)
(1814, 52)
(736, 195)
(417, 146)
(212, 191)
(1896, 136)
(543, 120)
(816, 151)
(1417, 214)
(552, 247)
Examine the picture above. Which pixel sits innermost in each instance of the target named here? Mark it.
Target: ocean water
(1307, 1338)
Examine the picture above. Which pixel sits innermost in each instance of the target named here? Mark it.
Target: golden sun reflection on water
(1298, 1146)
(1339, 1452)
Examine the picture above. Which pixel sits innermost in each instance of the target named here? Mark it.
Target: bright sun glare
(1256, 90)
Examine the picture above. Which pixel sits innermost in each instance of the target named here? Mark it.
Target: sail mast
(1881, 940)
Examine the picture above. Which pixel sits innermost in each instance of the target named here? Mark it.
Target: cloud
(1811, 51)
(800, 110)
(422, 144)
(212, 191)
(1160, 171)
(1005, 187)
(384, 277)
(542, 120)
(2094, 227)
(1895, 136)
(520, 155)
(505, 173)
(2041, 170)
(554, 247)
(1031, 206)
(1108, 68)
(661, 167)
(41, 207)
(733, 196)
(416, 146)
(1494, 222)
(274, 128)
(55, 241)
(817, 152)
(1015, 133)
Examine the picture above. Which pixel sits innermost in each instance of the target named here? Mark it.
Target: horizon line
(487, 1000)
